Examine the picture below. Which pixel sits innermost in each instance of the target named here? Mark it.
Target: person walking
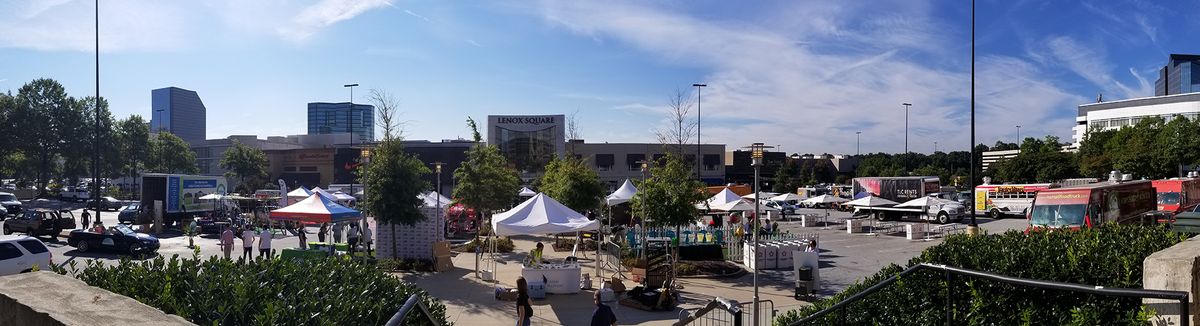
(264, 243)
(321, 232)
(247, 244)
(86, 219)
(603, 314)
(302, 234)
(227, 242)
(524, 304)
(367, 237)
(352, 238)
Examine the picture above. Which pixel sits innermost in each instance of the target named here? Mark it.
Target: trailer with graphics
(179, 195)
(903, 189)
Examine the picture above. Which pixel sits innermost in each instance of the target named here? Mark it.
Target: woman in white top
(264, 243)
(247, 244)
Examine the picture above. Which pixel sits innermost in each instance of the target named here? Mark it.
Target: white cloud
(324, 14)
(811, 82)
(411, 13)
(475, 44)
(1093, 66)
(64, 25)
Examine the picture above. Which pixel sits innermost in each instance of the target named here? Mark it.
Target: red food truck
(1177, 195)
(1093, 205)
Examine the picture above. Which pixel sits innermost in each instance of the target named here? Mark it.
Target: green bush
(262, 292)
(503, 244)
(1110, 256)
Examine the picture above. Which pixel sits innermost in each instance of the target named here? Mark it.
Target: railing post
(1185, 317)
(949, 297)
(842, 316)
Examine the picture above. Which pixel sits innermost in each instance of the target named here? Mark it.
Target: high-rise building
(180, 112)
(1181, 75)
(339, 118)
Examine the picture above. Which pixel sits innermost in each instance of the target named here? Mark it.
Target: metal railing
(413, 301)
(722, 311)
(949, 273)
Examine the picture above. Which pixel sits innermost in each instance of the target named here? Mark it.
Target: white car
(18, 254)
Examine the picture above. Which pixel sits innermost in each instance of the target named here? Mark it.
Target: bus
(1093, 205)
(996, 201)
(1177, 195)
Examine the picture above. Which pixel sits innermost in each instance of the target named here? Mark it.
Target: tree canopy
(1151, 148)
(669, 195)
(485, 180)
(1040, 160)
(247, 164)
(393, 178)
(570, 181)
(170, 154)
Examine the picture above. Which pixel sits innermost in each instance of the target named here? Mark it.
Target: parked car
(782, 206)
(129, 214)
(39, 222)
(77, 194)
(104, 203)
(119, 238)
(19, 254)
(10, 204)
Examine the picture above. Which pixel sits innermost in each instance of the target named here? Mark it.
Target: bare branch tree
(386, 116)
(573, 126)
(682, 127)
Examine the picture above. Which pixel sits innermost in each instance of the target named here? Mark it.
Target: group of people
(263, 236)
(248, 236)
(355, 237)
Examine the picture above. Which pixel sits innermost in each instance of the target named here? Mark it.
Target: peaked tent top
(825, 199)
(433, 199)
(541, 215)
(871, 201)
(316, 209)
(787, 197)
(300, 192)
(925, 202)
(526, 192)
(622, 195)
(721, 198)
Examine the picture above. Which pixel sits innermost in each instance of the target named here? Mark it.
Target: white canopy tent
(299, 192)
(760, 194)
(623, 194)
(341, 196)
(745, 205)
(787, 197)
(722, 198)
(824, 199)
(434, 199)
(526, 192)
(925, 202)
(541, 215)
(871, 201)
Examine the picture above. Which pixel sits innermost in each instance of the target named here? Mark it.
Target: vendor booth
(317, 209)
(543, 215)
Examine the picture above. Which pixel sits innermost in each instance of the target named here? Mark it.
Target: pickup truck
(39, 222)
(118, 238)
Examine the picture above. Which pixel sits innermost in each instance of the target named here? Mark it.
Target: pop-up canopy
(526, 192)
(316, 209)
(433, 199)
(541, 215)
(342, 196)
(622, 195)
(824, 199)
(871, 201)
(722, 198)
(300, 192)
(323, 192)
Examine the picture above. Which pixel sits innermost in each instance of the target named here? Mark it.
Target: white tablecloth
(559, 279)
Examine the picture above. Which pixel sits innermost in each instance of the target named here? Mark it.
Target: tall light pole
(645, 167)
(756, 159)
(698, 155)
(350, 128)
(973, 228)
(935, 147)
(96, 136)
(906, 106)
(857, 138)
(1019, 136)
(437, 170)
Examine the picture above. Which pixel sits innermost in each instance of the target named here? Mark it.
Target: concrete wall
(1178, 269)
(411, 241)
(46, 298)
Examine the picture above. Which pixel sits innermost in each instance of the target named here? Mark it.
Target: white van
(19, 253)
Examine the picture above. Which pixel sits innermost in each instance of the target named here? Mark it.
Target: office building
(1181, 75)
(738, 168)
(616, 162)
(528, 142)
(332, 118)
(450, 152)
(178, 111)
(1117, 114)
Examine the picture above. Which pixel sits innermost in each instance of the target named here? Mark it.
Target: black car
(129, 214)
(104, 203)
(118, 238)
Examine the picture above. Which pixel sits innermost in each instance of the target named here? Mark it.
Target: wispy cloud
(138, 25)
(324, 14)
(1093, 66)
(475, 44)
(410, 13)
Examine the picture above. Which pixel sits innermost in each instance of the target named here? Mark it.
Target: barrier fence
(729, 238)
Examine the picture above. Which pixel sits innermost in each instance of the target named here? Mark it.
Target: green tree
(485, 181)
(1094, 160)
(42, 115)
(247, 164)
(133, 138)
(570, 181)
(786, 177)
(669, 196)
(170, 154)
(1178, 143)
(393, 178)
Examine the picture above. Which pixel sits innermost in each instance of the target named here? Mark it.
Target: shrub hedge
(1109, 256)
(262, 292)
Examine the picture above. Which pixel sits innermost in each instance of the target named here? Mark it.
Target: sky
(803, 75)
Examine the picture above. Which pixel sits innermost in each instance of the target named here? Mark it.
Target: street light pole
(96, 136)
(350, 128)
(906, 106)
(645, 167)
(698, 153)
(1019, 136)
(935, 147)
(857, 138)
(973, 228)
(437, 168)
(756, 156)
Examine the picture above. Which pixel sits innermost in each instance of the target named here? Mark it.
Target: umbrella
(787, 197)
(870, 201)
(526, 192)
(925, 202)
(824, 199)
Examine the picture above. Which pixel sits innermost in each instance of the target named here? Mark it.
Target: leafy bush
(405, 265)
(1110, 256)
(262, 292)
(502, 245)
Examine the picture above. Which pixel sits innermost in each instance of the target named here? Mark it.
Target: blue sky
(802, 74)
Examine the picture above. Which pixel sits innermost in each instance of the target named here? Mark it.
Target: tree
(1178, 143)
(41, 115)
(682, 127)
(485, 181)
(570, 181)
(669, 196)
(247, 164)
(1094, 160)
(392, 178)
(133, 137)
(170, 154)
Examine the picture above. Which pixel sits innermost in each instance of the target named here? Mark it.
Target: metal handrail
(412, 301)
(1181, 296)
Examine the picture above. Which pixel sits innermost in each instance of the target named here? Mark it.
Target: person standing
(86, 219)
(302, 234)
(227, 242)
(367, 237)
(321, 232)
(247, 244)
(352, 238)
(337, 232)
(524, 304)
(264, 243)
(603, 315)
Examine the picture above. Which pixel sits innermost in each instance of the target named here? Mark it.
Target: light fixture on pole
(756, 160)
(906, 106)
(437, 170)
(1019, 136)
(645, 168)
(935, 149)
(698, 156)
(350, 128)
